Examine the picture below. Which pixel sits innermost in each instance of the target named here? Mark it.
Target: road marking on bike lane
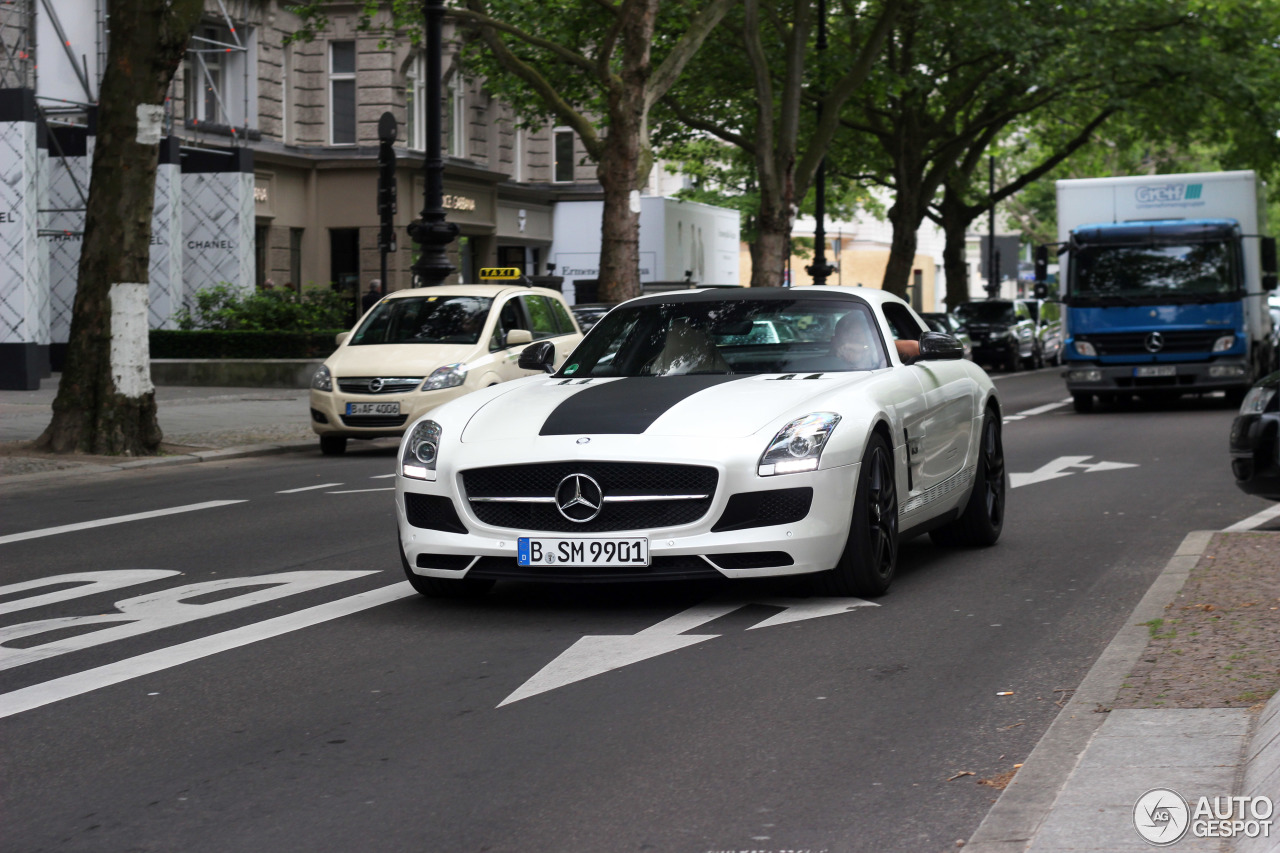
(119, 519)
(1038, 410)
(1253, 521)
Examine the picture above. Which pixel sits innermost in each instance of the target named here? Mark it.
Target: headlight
(1000, 334)
(1224, 343)
(418, 458)
(448, 376)
(1086, 348)
(798, 445)
(1257, 400)
(323, 380)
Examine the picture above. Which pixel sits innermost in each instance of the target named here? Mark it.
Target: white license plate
(582, 552)
(373, 408)
(1160, 370)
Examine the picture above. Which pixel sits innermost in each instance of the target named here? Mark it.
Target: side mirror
(539, 356)
(516, 337)
(1268, 246)
(340, 337)
(935, 346)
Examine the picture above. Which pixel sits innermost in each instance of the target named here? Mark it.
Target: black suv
(1002, 330)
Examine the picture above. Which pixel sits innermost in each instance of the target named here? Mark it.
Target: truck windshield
(1194, 271)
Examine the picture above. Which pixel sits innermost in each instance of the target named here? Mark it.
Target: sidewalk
(1076, 791)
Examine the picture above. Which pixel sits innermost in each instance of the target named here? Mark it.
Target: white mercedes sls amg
(710, 433)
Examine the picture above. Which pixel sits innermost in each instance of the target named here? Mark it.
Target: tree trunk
(620, 225)
(106, 402)
(955, 216)
(906, 214)
(771, 250)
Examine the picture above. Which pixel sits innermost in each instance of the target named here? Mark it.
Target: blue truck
(1164, 283)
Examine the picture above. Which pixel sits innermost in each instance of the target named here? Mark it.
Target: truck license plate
(373, 408)
(584, 553)
(1157, 370)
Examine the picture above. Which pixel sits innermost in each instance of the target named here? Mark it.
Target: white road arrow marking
(596, 655)
(1058, 468)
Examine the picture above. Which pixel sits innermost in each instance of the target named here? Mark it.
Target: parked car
(949, 324)
(662, 448)
(588, 314)
(1003, 333)
(1255, 440)
(415, 349)
(1049, 334)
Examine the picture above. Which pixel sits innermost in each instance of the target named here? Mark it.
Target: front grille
(374, 421)
(1135, 343)
(682, 568)
(634, 479)
(390, 384)
(432, 512)
(761, 509)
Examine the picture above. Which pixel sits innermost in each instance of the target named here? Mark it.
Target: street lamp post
(431, 232)
(820, 269)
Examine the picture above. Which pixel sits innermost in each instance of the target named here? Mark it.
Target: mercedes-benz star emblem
(579, 498)
(1155, 342)
(375, 385)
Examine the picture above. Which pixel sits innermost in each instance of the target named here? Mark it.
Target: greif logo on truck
(1169, 195)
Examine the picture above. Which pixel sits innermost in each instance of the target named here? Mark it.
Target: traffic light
(386, 167)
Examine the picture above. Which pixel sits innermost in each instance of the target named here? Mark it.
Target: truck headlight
(322, 380)
(1224, 343)
(1257, 400)
(1086, 348)
(420, 450)
(798, 445)
(446, 376)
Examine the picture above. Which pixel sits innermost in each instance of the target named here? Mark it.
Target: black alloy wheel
(870, 555)
(982, 520)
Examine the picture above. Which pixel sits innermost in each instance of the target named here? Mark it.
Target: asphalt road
(329, 708)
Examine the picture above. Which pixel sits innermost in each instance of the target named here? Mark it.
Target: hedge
(214, 343)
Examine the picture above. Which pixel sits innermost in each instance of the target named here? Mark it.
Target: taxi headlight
(323, 379)
(1257, 400)
(446, 376)
(1224, 343)
(798, 445)
(1086, 348)
(420, 451)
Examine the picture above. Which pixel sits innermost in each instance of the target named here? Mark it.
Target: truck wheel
(1083, 403)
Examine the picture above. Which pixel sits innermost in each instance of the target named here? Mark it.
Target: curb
(214, 455)
(1023, 807)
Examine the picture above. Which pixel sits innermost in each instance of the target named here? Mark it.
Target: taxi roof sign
(501, 273)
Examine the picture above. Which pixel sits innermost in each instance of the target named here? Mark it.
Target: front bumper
(1255, 454)
(328, 411)
(687, 551)
(1188, 377)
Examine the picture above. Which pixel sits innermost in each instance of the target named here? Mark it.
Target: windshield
(1195, 271)
(986, 312)
(424, 320)
(731, 336)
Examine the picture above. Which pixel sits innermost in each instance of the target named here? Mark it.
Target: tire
(333, 445)
(443, 587)
(1083, 403)
(1012, 361)
(982, 519)
(870, 555)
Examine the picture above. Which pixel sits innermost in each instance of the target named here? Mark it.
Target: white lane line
(381, 476)
(1254, 520)
(1040, 410)
(68, 686)
(308, 488)
(358, 491)
(104, 522)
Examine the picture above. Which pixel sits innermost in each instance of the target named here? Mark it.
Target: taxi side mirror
(340, 337)
(516, 337)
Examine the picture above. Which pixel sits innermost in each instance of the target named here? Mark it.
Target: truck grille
(522, 497)
(1135, 343)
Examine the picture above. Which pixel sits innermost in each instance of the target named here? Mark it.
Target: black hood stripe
(625, 406)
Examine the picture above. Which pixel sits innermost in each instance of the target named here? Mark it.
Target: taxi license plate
(584, 553)
(1160, 370)
(373, 408)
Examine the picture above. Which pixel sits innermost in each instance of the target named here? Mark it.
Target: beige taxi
(418, 348)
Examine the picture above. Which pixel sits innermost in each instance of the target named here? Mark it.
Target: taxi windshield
(424, 320)
(730, 336)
